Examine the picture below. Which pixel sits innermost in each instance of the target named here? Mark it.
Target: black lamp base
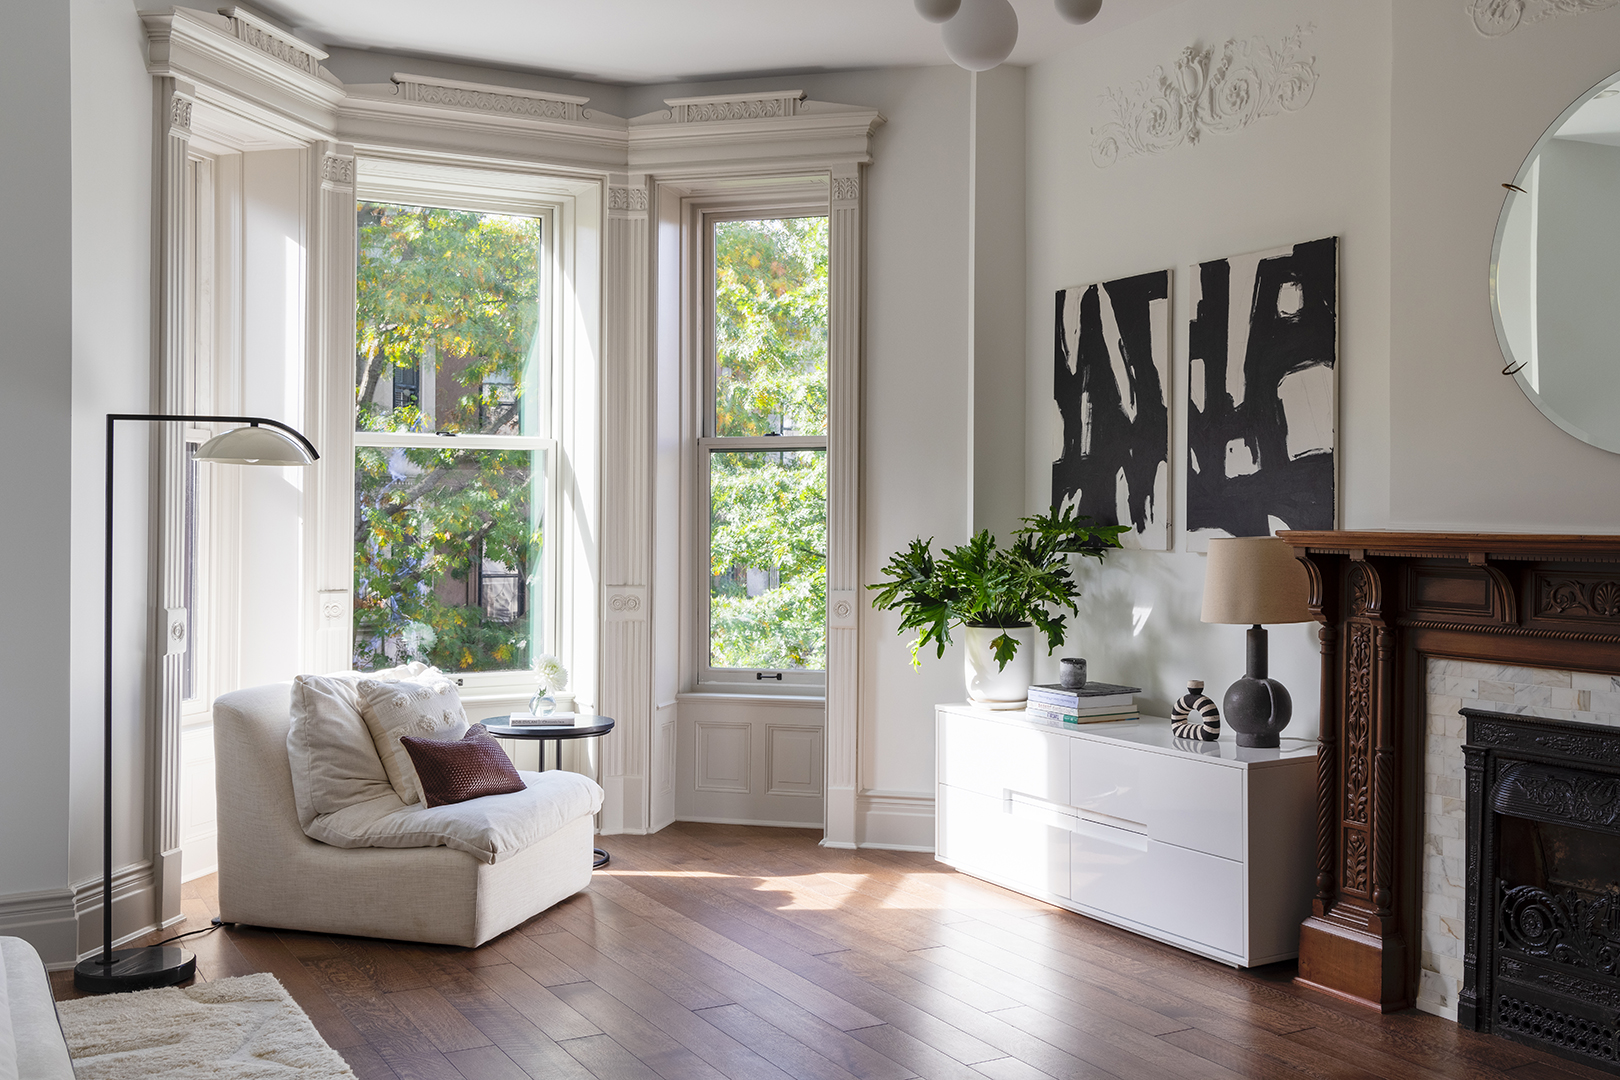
(135, 969)
(1257, 710)
(1255, 707)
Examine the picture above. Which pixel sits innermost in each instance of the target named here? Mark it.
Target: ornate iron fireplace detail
(1542, 955)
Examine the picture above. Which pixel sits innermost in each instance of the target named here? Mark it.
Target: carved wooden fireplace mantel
(1386, 602)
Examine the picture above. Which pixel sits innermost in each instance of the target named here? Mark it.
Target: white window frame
(481, 191)
(773, 199)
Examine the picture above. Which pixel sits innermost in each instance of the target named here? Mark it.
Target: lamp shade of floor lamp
(1253, 580)
(261, 442)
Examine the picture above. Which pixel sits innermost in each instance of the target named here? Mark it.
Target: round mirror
(1555, 270)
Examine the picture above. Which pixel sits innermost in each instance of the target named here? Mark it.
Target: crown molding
(813, 134)
(274, 41)
(483, 97)
(377, 118)
(763, 105)
(257, 87)
(252, 82)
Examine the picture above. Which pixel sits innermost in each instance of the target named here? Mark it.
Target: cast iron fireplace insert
(1542, 956)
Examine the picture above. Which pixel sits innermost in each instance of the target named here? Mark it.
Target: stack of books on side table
(527, 719)
(1093, 703)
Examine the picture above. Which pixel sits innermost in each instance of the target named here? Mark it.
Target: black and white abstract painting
(1262, 351)
(1111, 381)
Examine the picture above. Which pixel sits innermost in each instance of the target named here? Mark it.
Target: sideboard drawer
(1171, 889)
(992, 758)
(1004, 840)
(1182, 802)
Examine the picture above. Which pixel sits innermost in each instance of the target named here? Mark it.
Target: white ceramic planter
(995, 687)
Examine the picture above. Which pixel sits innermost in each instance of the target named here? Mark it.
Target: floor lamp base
(135, 969)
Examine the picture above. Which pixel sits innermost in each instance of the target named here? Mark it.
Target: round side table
(583, 727)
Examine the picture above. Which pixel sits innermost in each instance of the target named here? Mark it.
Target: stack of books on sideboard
(1093, 703)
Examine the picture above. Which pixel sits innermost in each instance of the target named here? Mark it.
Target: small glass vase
(542, 704)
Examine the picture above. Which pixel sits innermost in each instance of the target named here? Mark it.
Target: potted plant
(1000, 596)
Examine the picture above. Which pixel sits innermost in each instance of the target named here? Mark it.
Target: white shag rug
(245, 1028)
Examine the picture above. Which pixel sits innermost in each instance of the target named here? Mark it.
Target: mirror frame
(1611, 444)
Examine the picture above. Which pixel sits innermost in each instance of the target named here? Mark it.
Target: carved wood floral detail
(1494, 18)
(1355, 861)
(1357, 721)
(1571, 596)
(1222, 89)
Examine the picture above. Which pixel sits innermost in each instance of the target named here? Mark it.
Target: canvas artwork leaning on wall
(1111, 381)
(1262, 388)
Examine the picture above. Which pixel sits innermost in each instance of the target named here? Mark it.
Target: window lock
(760, 675)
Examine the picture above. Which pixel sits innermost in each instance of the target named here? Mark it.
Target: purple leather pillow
(468, 768)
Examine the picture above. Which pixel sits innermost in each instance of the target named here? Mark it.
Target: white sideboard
(1207, 846)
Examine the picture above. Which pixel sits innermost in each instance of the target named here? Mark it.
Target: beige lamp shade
(254, 446)
(1254, 580)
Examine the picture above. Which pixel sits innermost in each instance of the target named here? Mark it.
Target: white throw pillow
(425, 705)
(489, 829)
(332, 754)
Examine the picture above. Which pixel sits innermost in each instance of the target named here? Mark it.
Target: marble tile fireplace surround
(1414, 627)
(1454, 685)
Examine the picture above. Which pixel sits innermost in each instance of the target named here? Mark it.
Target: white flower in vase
(553, 679)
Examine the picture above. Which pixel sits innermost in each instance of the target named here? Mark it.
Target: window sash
(485, 195)
(706, 675)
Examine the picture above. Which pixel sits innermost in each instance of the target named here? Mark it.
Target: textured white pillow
(332, 754)
(489, 829)
(425, 705)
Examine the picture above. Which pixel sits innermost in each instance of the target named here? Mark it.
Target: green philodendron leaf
(1005, 647)
(1029, 582)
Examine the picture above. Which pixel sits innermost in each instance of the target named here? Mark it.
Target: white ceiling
(650, 41)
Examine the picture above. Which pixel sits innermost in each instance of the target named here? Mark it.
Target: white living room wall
(1468, 449)
(36, 433)
(1320, 171)
(112, 365)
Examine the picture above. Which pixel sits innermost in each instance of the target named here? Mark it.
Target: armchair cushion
(452, 772)
(333, 757)
(490, 829)
(425, 706)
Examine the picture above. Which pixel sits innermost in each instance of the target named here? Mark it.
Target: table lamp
(262, 442)
(1253, 580)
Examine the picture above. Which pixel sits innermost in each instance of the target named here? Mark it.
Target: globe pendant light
(937, 11)
(1076, 11)
(982, 34)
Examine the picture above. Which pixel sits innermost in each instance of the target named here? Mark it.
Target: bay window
(453, 465)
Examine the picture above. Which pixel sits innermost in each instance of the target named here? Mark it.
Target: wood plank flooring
(710, 952)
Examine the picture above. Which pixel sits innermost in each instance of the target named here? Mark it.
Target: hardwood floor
(721, 951)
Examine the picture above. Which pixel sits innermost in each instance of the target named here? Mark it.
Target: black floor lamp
(262, 442)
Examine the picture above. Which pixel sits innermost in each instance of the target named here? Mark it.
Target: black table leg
(601, 858)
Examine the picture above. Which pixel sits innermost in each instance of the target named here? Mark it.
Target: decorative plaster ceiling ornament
(1493, 18)
(1077, 11)
(1221, 91)
(982, 34)
(937, 11)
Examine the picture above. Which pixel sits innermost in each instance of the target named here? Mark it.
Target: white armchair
(272, 874)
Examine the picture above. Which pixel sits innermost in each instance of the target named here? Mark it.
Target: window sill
(791, 701)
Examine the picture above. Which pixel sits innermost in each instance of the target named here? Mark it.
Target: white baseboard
(46, 921)
(65, 924)
(896, 820)
(134, 908)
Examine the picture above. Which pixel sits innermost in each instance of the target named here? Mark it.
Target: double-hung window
(762, 452)
(452, 460)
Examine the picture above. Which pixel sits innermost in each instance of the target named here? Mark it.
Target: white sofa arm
(31, 1043)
